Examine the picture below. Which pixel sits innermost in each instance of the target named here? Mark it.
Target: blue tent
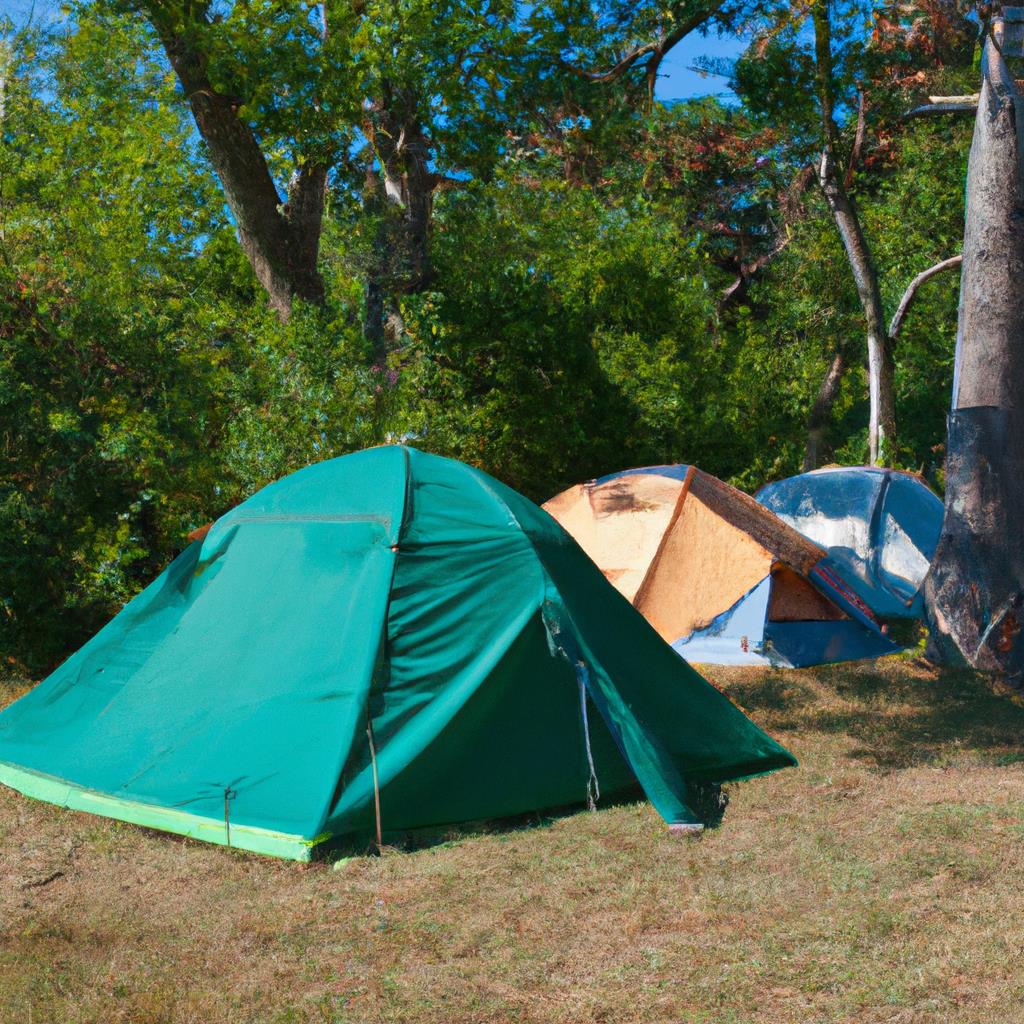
(879, 527)
(718, 576)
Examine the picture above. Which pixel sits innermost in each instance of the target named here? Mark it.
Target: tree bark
(881, 365)
(402, 199)
(409, 186)
(974, 591)
(911, 293)
(281, 243)
(818, 448)
(857, 150)
(6, 59)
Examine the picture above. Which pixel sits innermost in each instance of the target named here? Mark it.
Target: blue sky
(677, 81)
(19, 10)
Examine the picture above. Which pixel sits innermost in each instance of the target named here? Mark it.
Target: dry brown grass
(877, 883)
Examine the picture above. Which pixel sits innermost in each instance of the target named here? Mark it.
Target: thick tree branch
(281, 244)
(929, 109)
(307, 191)
(752, 267)
(859, 138)
(618, 70)
(654, 51)
(399, 193)
(821, 412)
(911, 292)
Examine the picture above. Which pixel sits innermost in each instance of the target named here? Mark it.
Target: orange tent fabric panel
(793, 599)
(705, 566)
(619, 524)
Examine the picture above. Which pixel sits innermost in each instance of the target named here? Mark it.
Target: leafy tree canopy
(591, 279)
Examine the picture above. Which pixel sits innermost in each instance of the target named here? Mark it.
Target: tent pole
(376, 782)
(593, 787)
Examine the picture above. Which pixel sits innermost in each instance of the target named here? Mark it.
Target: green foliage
(916, 220)
(101, 411)
(307, 77)
(576, 321)
(143, 385)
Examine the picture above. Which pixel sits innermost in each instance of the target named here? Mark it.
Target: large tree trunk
(402, 201)
(974, 592)
(409, 186)
(881, 366)
(281, 243)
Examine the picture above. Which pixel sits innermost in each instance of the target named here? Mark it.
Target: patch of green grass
(872, 884)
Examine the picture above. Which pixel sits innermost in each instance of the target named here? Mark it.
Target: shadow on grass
(433, 837)
(900, 713)
(709, 800)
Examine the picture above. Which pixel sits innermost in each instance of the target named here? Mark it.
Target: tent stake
(228, 794)
(376, 782)
(685, 831)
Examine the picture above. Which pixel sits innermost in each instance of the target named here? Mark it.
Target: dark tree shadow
(899, 713)
(407, 841)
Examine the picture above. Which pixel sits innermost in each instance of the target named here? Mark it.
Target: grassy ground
(878, 882)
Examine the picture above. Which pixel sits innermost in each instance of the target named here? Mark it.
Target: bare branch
(960, 105)
(618, 70)
(746, 269)
(911, 292)
(859, 138)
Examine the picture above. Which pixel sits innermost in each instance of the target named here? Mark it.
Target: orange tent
(718, 576)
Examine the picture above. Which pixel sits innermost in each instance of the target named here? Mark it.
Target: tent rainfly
(718, 576)
(879, 526)
(386, 640)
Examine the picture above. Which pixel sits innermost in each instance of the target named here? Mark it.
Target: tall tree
(881, 367)
(280, 238)
(860, 70)
(974, 591)
(384, 99)
(808, 82)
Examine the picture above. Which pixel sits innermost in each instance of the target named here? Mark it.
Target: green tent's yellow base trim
(211, 830)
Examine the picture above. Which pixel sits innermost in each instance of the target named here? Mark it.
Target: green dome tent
(387, 630)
